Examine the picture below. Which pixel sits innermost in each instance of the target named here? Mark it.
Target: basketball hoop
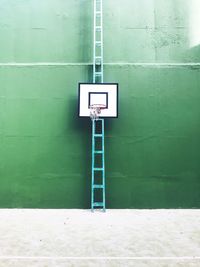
(95, 111)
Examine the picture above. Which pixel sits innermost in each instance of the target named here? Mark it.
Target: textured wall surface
(152, 149)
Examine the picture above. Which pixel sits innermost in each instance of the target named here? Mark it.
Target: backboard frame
(102, 92)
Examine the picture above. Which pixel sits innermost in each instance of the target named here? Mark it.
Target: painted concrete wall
(152, 50)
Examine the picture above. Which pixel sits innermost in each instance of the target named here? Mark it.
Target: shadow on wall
(85, 32)
(194, 53)
(82, 128)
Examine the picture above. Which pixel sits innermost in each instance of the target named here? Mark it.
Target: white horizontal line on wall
(148, 64)
(155, 64)
(98, 258)
(32, 64)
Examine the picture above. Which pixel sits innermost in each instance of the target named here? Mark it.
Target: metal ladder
(98, 43)
(98, 166)
(98, 172)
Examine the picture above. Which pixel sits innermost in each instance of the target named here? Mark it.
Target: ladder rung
(98, 13)
(98, 43)
(98, 59)
(98, 186)
(98, 152)
(97, 204)
(98, 73)
(98, 28)
(98, 169)
(98, 135)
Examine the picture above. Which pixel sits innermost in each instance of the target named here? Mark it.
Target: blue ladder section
(98, 172)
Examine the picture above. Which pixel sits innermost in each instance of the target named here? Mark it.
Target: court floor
(51, 238)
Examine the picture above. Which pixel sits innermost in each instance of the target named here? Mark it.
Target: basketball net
(95, 111)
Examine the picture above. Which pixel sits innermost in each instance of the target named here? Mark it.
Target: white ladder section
(98, 43)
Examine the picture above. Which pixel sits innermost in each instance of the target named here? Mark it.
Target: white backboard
(98, 93)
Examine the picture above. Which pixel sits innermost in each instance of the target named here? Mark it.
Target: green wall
(152, 149)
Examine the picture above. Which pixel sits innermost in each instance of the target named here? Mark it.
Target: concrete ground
(62, 238)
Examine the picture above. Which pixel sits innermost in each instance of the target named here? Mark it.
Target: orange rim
(98, 106)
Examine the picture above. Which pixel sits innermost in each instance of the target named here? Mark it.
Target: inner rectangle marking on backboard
(96, 98)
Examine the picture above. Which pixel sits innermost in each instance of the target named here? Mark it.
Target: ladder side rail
(93, 149)
(101, 6)
(103, 166)
(94, 42)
